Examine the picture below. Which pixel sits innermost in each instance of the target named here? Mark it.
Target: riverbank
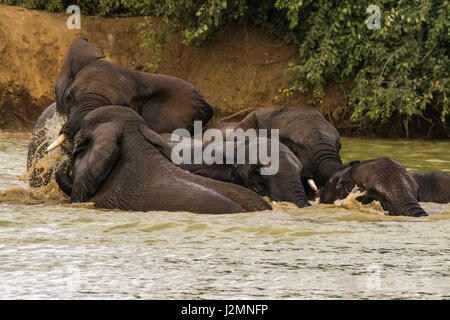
(238, 70)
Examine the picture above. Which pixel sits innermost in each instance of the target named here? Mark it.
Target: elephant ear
(93, 162)
(80, 53)
(350, 163)
(345, 181)
(168, 103)
(249, 122)
(155, 139)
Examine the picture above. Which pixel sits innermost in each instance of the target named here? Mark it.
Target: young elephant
(434, 186)
(116, 167)
(281, 183)
(384, 180)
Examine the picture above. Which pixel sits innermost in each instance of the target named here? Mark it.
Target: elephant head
(307, 133)
(85, 82)
(280, 181)
(116, 165)
(384, 180)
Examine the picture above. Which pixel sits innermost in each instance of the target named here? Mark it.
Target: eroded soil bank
(239, 69)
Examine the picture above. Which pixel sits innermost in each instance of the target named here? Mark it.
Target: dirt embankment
(238, 70)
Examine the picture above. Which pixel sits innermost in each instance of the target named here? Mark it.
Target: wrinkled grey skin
(222, 127)
(308, 134)
(85, 82)
(434, 186)
(117, 167)
(285, 185)
(383, 179)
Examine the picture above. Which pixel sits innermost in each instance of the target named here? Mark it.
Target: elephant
(36, 148)
(383, 179)
(222, 126)
(277, 179)
(434, 186)
(85, 82)
(308, 134)
(39, 170)
(117, 167)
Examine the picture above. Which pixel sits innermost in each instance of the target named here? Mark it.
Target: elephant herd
(117, 132)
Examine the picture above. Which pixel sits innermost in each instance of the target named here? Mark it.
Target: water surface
(51, 249)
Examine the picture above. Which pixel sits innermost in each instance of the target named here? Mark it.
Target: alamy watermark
(374, 21)
(373, 277)
(73, 21)
(237, 147)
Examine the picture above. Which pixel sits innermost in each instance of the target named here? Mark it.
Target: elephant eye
(81, 140)
(343, 189)
(68, 99)
(80, 144)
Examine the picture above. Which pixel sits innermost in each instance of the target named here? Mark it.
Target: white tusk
(57, 142)
(312, 184)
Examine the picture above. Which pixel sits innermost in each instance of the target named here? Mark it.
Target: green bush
(90, 7)
(401, 69)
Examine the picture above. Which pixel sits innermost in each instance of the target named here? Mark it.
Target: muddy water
(50, 249)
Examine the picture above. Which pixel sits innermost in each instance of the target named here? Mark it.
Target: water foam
(43, 167)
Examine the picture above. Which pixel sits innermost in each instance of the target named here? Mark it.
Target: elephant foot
(302, 204)
(420, 214)
(414, 212)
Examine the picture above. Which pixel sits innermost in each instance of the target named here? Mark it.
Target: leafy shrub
(91, 7)
(400, 69)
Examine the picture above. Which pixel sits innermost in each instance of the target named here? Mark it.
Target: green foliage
(401, 69)
(197, 19)
(155, 40)
(91, 7)
(51, 6)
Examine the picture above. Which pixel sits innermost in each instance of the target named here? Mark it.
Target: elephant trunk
(328, 168)
(409, 207)
(325, 163)
(299, 198)
(400, 199)
(320, 158)
(290, 190)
